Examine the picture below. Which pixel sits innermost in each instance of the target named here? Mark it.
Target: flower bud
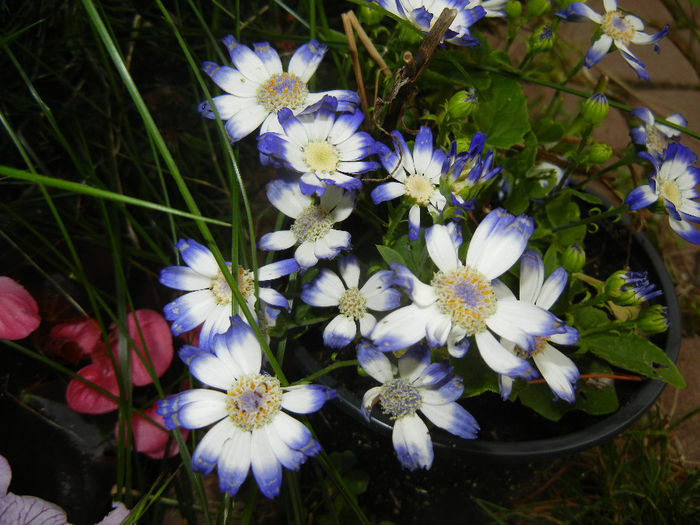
(598, 153)
(595, 109)
(369, 16)
(627, 288)
(542, 39)
(573, 259)
(462, 104)
(653, 319)
(538, 7)
(514, 9)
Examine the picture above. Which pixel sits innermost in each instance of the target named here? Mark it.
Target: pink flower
(158, 347)
(152, 439)
(75, 339)
(19, 313)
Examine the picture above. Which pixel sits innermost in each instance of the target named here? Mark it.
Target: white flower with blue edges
(653, 136)
(467, 300)
(673, 182)
(352, 301)
(467, 169)
(618, 28)
(493, 8)
(252, 429)
(257, 87)
(415, 384)
(417, 176)
(424, 13)
(558, 370)
(209, 299)
(322, 147)
(312, 230)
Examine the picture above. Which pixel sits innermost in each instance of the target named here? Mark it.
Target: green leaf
(520, 163)
(590, 317)
(502, 113)
(390, 255)
(636, 354)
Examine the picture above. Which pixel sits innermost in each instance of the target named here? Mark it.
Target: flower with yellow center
(209, 301)
(653, 135)
(416, 176)
(353, 302)
(252, 430)
(467, 300)
(557, 369)
(616, 28)
(312, 231)
(323, 147)
(257, 88)
(674, 183)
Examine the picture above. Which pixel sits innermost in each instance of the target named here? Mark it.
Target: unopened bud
(542, 39)
(538, 7)
(595, 109)
(462, 104)
(627, 288)
(598, 153)
(514, 9)
(573, 259)
(653, 319)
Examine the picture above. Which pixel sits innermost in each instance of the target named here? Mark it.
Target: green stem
(618, 210)
(328, 369)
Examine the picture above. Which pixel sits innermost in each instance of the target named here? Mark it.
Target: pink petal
(19, 313)
(159, 344)
(74, 339)
(84, 398)
(152, 439)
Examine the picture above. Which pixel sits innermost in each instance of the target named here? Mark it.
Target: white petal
(412, 443)
(401, 328)
(558, 370)
(266, 467)
(350, 270)
(234, 461)
(499, 359)
(441, 248)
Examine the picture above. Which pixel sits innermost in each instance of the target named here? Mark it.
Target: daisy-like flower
(558, 370)
(673, 182)
(618, 28)
(417, 176)
(257, 87)
(655, 137)
(209, 298)
(322, 148)
(424, 13)
(465, 300)
(312, 230)
(251, 430)
(493, 8)
(353, 302)
(413, 385)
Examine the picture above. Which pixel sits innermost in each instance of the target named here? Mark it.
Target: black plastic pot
(575, 431)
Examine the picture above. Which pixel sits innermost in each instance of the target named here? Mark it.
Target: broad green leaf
(502, 113)
(636, 354)
(478, 377)
(390, 255)
(589, 317)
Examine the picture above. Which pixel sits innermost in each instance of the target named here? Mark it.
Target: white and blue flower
(353, 302)
(467, 169)
(492, 8)
(673, 182)
(257, 87)
(209, 299)
(655, 137)
(618, 28)
(252, 431)
(312, 231)
(558, 370)
(467, 300)
(322, 147)
(424, 13)
(415, 384)
(417, 176)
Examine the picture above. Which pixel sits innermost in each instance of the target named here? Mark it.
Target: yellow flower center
(321, 156)
(283, 90)
(618, 27)
(312, 224)
(466, 296)
(419, 188)
(353, 304)
(253, 400)
(221, 290)
(656, 143)
(670, 191)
